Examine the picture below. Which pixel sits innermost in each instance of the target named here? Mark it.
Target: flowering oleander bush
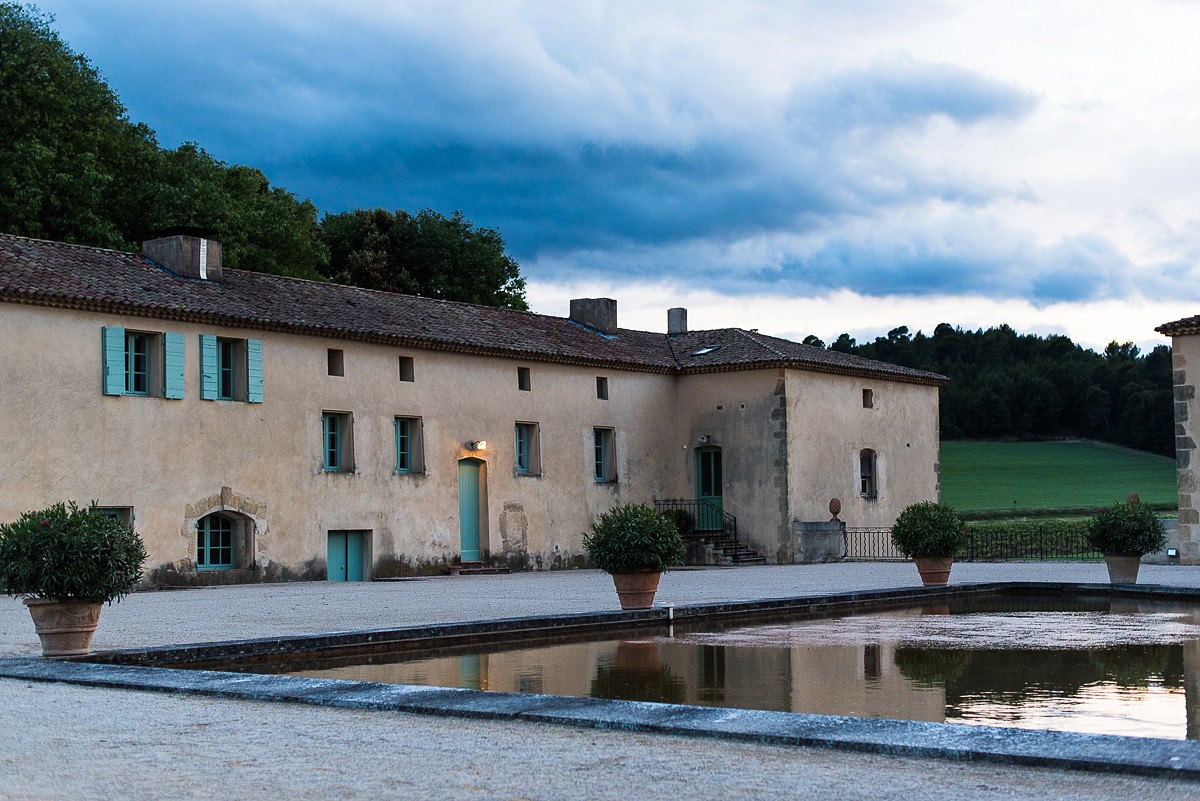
(70, 554)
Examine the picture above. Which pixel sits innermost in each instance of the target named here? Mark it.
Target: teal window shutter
(114, 361)
(172, 365)
(254, 376)
(208, 367)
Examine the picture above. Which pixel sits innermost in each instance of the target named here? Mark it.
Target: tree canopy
(1005, 384)
(70, 160)
(422, 254)
(74, 168)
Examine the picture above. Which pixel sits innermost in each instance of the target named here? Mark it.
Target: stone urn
(64, 627)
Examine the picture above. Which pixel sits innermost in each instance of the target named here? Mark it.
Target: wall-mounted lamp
(1173, 553)
(478, 445)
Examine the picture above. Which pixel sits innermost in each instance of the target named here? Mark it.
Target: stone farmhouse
(1185, 354)
(254, 427)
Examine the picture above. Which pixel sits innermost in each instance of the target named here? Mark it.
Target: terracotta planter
(934, 570)
(1123, 567)
(64, 627)
(636, 590)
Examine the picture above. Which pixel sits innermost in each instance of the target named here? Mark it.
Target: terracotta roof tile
(1188, 325)
(56, 274)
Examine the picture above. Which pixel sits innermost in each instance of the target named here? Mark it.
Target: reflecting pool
(1102, 666)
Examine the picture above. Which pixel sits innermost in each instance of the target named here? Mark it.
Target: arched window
(868, 482)
(214, 542)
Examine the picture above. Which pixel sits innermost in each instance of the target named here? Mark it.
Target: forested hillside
(1004, 384)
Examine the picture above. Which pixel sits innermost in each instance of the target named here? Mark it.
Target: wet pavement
(137, 744)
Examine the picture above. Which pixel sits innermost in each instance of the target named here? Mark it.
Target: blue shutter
(172, 365)
(208, 367)
(114, 361)
(254, 376)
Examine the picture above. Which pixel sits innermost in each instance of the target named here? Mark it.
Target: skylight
(704, 351)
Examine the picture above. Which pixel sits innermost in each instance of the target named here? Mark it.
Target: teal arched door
(469, 506)
(710, 504)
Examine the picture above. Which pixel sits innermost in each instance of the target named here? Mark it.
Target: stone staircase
(720, 548)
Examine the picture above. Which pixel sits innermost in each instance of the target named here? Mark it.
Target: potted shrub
(1124, 533)
(930, 534)
(635, 545)
(65, 562)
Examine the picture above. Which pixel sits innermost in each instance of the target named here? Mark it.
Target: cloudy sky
(793, 166)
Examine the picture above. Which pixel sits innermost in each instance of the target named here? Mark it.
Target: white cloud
(643, 306)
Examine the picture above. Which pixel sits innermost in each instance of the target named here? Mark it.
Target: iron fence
(989, 543)
(871, 545)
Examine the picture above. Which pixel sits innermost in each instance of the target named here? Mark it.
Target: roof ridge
(120, 282)
(388, 293)
(281, 277)
(77, 245)
(754, 337)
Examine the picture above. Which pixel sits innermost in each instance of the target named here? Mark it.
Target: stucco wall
(1185, 353)
(828, 426)
(171, 459)
(789, 442)
(743, 414)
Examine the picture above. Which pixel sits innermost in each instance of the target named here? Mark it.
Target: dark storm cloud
(579, 160)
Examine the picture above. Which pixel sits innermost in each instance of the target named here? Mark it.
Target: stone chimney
(186, 251)
(677, 321)
(598, 313)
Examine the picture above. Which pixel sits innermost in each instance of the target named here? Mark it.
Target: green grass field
(1019, 476)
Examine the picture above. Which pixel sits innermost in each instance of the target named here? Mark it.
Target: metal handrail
(699, 511)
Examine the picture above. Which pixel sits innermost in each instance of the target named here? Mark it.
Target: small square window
(868, 399)
(601, 387)
(406, 368)
(409, 456)
(337, 365)
(122, 514)
(528, 458)
(337, 442)
(604, 456)
(523, 379)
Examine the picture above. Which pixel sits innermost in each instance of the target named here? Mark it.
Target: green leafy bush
(633, 538)
(682, 519)
(70, 554)
(1126, 528)
(926, 529)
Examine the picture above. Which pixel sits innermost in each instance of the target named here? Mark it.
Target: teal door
(345, 556)
(708, 489)
(468, 509)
